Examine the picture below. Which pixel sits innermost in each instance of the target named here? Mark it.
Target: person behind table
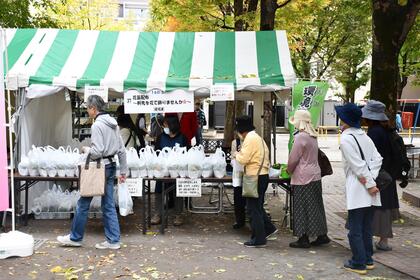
(142, 128)
(239, 202)
(201, 120)
(384, 215)
(309, 214)
(188, 123)
(129, 132)
(361, 190)
(250, 156)
(106, 142)
(398, 121)
(169, 138)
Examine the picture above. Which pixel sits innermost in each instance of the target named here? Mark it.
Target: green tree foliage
(24, 14)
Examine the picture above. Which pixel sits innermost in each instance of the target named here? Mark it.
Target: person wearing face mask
(254, 156)
(169, 138)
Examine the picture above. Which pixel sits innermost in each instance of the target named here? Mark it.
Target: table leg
(144, 208)
(26, 203)
(149, 205)
(163, 211)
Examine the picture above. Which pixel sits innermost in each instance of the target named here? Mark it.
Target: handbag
(384, 179)
(324, 164)
(250, 182)
(92, 178)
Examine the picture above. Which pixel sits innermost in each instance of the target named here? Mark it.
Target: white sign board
(135, 186)
(222, 92)
(102, 91)
(188, 187)
(157, 101)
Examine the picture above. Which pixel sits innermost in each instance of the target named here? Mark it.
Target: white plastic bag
(208, 167)
(196, 157)
(237, 173)
(23, 166)
(161, 163)
(149, 156)
(274, 173)
(125, 203)
(219, 164)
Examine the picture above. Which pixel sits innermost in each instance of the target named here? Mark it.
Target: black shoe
(238, 225)
(251, 244)
(272, 234)
(303, 242)
(321, 240)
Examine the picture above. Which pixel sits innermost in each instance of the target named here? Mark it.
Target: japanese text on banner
(157, 101)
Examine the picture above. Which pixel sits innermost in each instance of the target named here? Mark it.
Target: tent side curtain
(148, 60)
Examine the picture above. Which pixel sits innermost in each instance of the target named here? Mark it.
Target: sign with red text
(222, 92)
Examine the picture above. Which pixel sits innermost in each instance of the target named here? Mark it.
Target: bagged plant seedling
(195, 157)
(219, 163)
(23, 166)
(33, 165)
(141, 164)
(125, 202)
(208, 167)
(149, 156)
(132, 162)
(161, 163)
(172, 162)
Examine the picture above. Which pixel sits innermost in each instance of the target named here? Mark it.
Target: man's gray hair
(97, 102)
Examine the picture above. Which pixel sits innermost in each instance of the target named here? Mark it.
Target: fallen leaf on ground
(220, 270)
(273, 264)
(312, 252)
(289, 265)
(300, 277)
(311, 264)
(278, 276)
(56, 269)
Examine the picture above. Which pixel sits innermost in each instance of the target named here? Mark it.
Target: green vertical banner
(309, 96)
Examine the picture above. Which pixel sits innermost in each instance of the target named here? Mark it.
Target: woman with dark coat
(375, 118)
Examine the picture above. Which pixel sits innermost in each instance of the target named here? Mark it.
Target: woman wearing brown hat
(374, 116)
(309, 214)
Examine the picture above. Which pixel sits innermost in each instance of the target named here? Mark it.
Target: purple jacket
(303, 160)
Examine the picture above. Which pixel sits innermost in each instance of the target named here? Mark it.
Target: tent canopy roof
(194, 61)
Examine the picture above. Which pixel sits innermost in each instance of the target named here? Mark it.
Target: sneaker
(251, 244)
(155, 220)
(350, 267)
(66, 241)
(321, 240)
(106, 245)
(382, 247)
(303, 242)
(272, 235)
(370, 266)
(178, 221)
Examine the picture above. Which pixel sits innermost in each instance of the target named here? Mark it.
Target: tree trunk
(391, 24)
(268, 123)
(268, 14)
(229, 124)
(238, 7)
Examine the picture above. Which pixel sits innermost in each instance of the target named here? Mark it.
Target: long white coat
(357, 195)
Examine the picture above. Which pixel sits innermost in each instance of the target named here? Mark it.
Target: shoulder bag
(324, 164)
(92, 178)
(250, 182)
(384, 179)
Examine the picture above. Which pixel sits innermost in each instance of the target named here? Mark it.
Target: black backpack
(400, 163)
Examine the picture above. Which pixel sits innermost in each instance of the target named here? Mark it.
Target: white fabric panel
(37, 57)
(202, 61)
(246, 60)
(162, 61)
(19, 69)
(45, 121)
(285, 60)
(10, 33)
(78, 59)
(38, 91)
(121, 61)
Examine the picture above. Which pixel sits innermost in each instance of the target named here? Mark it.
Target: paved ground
(207, 248)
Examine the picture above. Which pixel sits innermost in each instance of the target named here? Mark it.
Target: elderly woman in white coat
(361, 190)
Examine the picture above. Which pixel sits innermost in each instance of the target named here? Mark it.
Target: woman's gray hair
(97, 102)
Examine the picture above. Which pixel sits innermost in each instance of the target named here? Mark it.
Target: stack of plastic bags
(55, 200)
(51, 162)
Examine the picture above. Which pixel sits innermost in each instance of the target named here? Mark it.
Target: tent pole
(9, 125)
(415, 122)
(275, 128)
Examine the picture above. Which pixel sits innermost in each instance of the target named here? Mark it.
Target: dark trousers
(360, 236)
(261, 224)
(239, 203)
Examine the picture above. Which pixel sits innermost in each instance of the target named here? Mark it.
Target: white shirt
(357, 195)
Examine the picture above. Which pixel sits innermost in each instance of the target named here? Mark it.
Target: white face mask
(240, 137)
(166, 130)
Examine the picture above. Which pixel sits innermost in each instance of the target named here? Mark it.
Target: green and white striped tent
(256, 61)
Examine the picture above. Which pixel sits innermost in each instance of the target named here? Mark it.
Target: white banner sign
(156, 101)
(188, 187)
(102, 91)
(222, 92)
(135, 186)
